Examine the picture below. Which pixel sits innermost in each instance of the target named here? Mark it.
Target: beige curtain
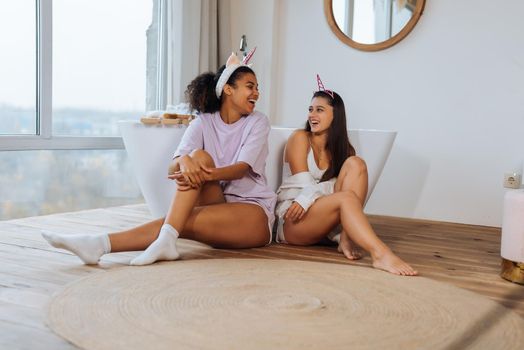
(225, 41)
(196, 32)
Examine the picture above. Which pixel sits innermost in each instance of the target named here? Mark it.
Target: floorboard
(31, 271)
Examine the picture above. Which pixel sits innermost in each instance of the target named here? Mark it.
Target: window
(99, 64)
(18, 67)
(45, 182)
(73, 68)
(70, 69)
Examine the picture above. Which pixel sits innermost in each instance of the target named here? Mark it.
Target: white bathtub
(150, 149)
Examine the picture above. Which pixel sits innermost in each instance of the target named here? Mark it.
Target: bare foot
(389, 262)
(349, 248)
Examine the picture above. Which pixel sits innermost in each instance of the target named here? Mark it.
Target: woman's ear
(228, 90)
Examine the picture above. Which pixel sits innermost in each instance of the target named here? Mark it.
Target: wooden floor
(31, 271)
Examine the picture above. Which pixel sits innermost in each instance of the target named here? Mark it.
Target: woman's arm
(227, 173)
(201, 174)
(296, 155)
(296, 151)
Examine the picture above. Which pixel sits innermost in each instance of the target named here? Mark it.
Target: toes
(351, 255)
(348, 256)
(404, 269)
(139, 261)
(409, 271)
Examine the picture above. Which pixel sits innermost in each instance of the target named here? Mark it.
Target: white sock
(163, 248)
(89, 248)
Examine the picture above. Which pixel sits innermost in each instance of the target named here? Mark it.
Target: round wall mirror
(372, 25)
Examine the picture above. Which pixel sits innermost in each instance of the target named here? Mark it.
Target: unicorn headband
(322, 88)
(231, 65)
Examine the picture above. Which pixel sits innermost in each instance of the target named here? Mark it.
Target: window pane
(99, 64)
(18, 67)
(45, 182)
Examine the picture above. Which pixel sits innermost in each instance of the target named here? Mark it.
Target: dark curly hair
(201, 94)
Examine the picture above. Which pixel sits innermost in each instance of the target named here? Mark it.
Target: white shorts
(282, 207)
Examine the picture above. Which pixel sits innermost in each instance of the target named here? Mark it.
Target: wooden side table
(512, 240)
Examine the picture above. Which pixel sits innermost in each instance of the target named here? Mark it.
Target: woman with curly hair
(222, 196)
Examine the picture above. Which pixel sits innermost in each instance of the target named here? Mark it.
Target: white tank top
(311, 165)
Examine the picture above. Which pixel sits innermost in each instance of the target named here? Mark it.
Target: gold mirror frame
(328, 10)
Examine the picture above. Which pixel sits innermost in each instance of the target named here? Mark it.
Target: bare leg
(349, 248)
(185, 201)
(164, 246)
(141, 237)
(228, 225)
(89, 248)
(231, 225)
(344, 207)
(352, 177)
(224, 225)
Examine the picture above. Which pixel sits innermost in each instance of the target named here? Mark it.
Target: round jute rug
(275, 304)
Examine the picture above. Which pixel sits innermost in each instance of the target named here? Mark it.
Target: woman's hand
(195, 174)
(173, 168)
(192, 171)
(209, 173)
(295, 212)
(181, 182)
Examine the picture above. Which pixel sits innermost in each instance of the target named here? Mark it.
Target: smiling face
(243, 94)
(320, 115)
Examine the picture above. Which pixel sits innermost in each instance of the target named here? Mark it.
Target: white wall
(256, 18)
(453, 89)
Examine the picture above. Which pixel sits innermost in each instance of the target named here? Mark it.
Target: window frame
(44, 138)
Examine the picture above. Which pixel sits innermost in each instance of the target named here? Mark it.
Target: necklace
(320, 153)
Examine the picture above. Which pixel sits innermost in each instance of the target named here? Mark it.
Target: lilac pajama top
(242, 141)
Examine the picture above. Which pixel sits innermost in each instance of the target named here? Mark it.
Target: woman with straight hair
(325, 185)
(222, 196)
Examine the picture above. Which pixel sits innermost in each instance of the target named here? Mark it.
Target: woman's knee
(355, 164)
(349, 198)
(202, 157)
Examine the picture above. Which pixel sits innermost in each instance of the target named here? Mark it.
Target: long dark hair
(201, 94)
(338, 144)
